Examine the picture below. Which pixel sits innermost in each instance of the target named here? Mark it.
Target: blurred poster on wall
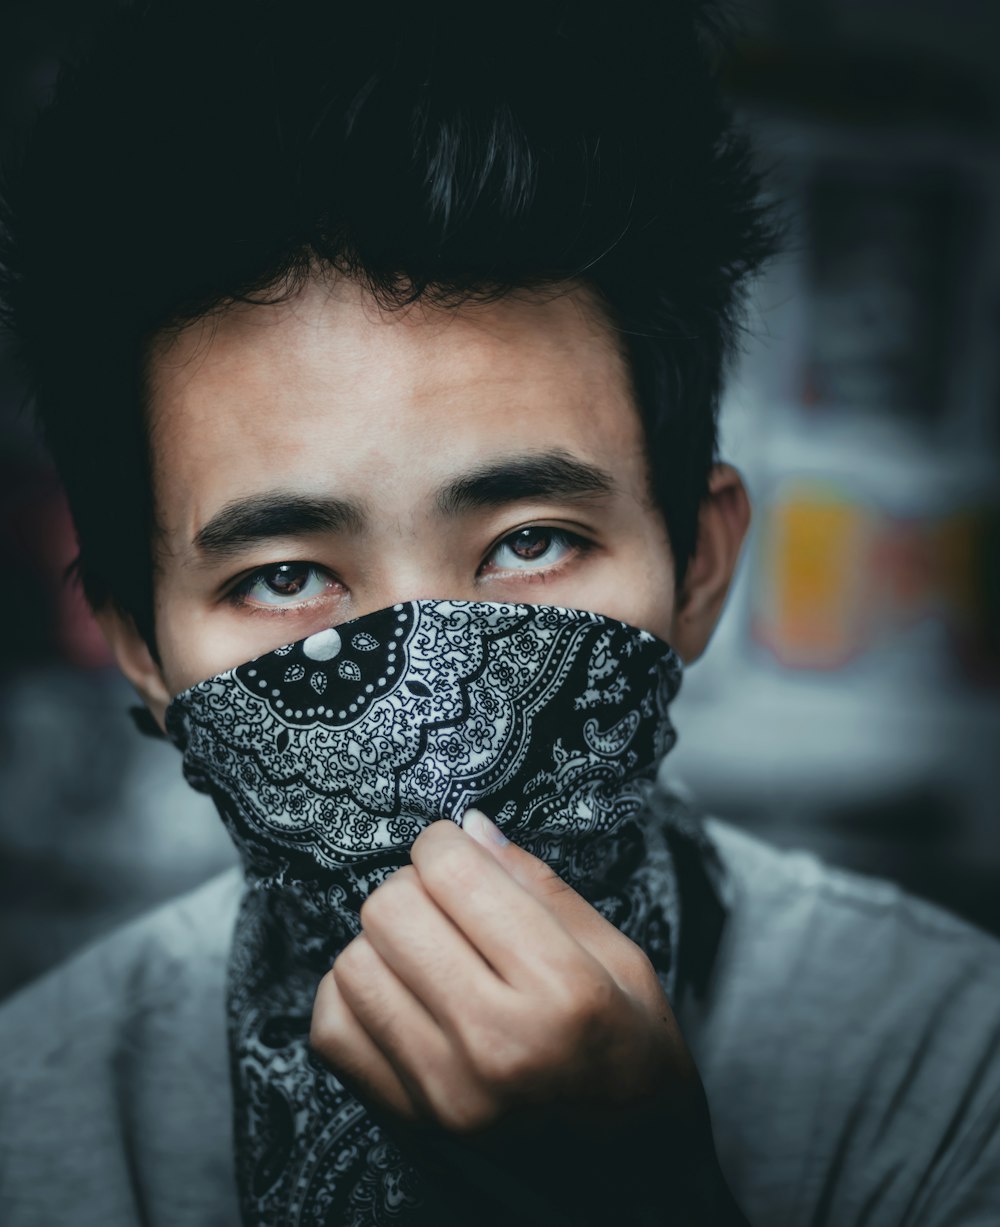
(842, 575)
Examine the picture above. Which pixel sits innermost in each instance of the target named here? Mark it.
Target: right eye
(282, 585)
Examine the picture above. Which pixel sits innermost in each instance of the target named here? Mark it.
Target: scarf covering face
(327, 757)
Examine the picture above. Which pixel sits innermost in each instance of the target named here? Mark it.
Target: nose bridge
(418, 558)
(400, 588)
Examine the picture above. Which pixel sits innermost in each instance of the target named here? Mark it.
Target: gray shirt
(848, 1039)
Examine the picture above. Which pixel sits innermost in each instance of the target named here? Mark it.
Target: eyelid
(579, 542)
(234, 590)
(575, 531)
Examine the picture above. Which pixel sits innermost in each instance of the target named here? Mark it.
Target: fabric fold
(327, 757)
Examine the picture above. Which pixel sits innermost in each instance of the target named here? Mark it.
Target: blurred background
(851, 700)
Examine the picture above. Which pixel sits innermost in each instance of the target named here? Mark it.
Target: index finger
(515, 932)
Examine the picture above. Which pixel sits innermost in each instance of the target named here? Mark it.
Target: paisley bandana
(327, 757)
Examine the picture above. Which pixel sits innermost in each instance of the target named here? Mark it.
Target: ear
(135, 660)
(723, 520)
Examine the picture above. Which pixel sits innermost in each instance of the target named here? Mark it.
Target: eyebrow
(274, 514)
(280, 513)
(542, 475)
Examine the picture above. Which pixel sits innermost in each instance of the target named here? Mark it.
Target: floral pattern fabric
(327, 757)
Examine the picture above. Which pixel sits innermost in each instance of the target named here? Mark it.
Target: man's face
(317, 460)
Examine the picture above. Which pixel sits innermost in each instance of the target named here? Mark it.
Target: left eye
(532, 548)
(284, 583)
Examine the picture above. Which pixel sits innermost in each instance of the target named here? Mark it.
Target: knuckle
(633, 970)
(639, 973)
(540, 873)
(324, 1034)
(352, 962)
(508, 1071)
(640, 964)
(367, 913)
(452, 865)
(509, 1066)
(323, 1038)
(582, 1008)
(543, 881)
(466, 1114)
(387, 900)
(435, 833)
(486, 1039)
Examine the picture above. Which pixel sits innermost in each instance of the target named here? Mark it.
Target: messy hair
(207, 153)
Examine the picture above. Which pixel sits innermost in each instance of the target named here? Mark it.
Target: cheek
(644, 600)
(645, 595)
(196, 644)
(189, 654)
(634, 585)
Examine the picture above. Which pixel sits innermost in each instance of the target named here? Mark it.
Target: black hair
(211, 152)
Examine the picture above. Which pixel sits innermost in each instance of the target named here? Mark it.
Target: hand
(483, 989)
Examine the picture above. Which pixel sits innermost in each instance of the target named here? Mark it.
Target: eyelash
(578, 546)
(239, 594)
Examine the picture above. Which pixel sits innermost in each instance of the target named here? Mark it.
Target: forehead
(327, 392)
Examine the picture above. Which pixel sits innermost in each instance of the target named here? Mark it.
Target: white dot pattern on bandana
(324, 645)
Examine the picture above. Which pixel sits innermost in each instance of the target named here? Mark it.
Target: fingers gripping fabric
(327, 757)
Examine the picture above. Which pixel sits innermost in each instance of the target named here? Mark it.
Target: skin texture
(435, 1013)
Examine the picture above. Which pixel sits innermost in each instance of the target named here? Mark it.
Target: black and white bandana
(327, 757)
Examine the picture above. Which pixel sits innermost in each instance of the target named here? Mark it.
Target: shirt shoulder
(114, 1090)
(848, 1042)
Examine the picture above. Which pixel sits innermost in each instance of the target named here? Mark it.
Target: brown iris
(287, 578)
(530, 543)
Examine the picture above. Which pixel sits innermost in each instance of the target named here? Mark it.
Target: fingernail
(482, 829)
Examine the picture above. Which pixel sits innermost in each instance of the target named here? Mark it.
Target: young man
(347, 330)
